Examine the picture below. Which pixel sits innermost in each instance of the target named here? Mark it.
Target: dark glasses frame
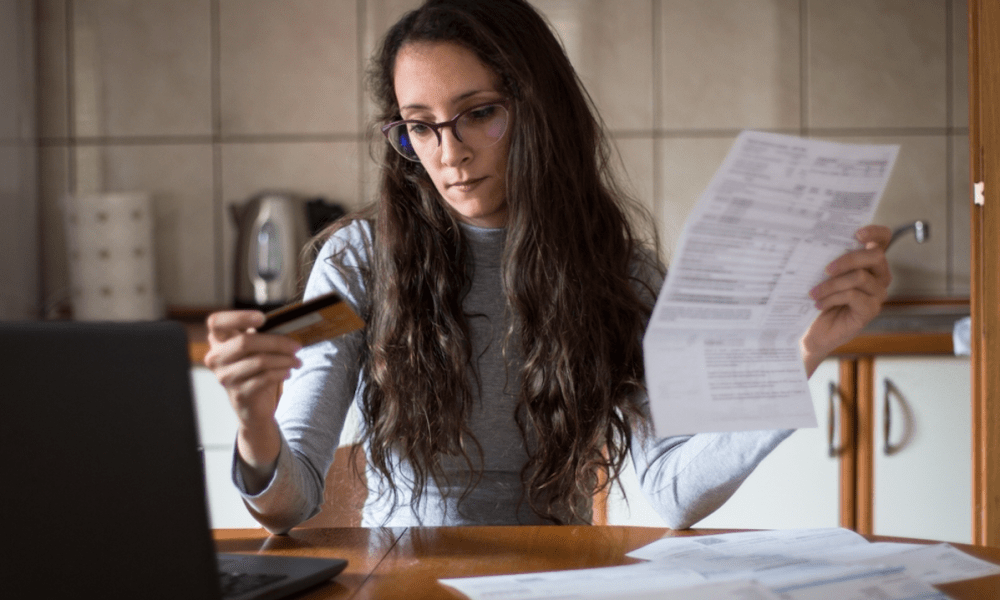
(452, 123)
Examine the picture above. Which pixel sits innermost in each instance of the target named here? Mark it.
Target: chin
(479, 216)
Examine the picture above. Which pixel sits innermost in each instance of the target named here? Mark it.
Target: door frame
(984, 168)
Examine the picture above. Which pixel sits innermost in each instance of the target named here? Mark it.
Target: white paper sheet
(861, 584)
(570, 589)
(806, 564)
(772, 557)
(579, 583)
(808, 559)
(800, 542)
(722, 346)
(937, 563)
(731, 590)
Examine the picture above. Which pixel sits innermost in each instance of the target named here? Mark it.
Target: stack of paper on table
(803, 564)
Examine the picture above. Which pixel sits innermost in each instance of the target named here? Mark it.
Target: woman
(506, 291)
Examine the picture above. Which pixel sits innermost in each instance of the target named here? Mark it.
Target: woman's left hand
(852, 296)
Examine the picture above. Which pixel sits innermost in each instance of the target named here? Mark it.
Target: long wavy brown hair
(576, 308)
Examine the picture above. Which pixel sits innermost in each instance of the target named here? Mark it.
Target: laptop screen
(104, 491)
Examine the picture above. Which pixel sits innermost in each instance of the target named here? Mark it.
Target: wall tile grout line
(633, 134)
(816, 131)
(70, 99)
(361, 27)
(657, 100)
(218, 223)
(27, 141)
(804, 68)
(949, 181)
(174, 140)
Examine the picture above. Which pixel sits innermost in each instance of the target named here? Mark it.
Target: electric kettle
(272, 231)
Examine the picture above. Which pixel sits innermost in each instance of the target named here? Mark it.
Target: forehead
(433, 74)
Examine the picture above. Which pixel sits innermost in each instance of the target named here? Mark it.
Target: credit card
(314, 320)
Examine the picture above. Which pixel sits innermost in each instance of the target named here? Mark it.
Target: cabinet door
(923, 480)
(217, 430)
(797, 485)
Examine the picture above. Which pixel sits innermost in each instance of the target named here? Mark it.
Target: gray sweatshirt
(685, 478)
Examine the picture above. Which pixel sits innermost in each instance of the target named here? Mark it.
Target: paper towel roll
(112, 263)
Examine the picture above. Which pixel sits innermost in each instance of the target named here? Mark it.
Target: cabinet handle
(831, 421)
(888, 448)
(886, 419)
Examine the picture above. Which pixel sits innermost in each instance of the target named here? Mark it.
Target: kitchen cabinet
(217, 432)
(922, 470)
(921, 488)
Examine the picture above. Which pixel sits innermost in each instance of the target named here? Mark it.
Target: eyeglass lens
(480, 127)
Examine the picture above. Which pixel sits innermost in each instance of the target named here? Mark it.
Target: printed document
(722, 346)
(794, 564)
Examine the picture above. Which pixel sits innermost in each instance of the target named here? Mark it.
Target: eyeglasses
(477, 127)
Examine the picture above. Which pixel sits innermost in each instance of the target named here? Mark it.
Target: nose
(453, 150)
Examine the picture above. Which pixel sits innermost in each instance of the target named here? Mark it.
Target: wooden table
(407, 562)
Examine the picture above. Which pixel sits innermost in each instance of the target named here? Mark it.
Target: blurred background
(203, 104)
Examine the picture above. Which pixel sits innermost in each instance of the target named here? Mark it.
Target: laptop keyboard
(235, 584)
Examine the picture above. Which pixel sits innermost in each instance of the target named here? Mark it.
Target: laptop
(103, 481)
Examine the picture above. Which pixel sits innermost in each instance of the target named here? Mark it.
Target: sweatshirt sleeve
(315, 400)
(686, 478)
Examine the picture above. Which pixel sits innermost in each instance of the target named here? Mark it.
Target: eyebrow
(454, 100)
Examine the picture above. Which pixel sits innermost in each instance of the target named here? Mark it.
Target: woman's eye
(417, 129)
(484, 112)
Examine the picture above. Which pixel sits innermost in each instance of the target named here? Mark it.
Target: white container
(112, 262)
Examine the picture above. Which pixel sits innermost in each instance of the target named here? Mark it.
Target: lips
(466, 184)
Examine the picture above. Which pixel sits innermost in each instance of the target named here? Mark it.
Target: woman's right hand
(251, 367)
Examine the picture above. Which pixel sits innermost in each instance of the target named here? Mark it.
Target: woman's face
(434, 82)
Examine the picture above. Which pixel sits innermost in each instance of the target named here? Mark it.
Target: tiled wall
(205, 102)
